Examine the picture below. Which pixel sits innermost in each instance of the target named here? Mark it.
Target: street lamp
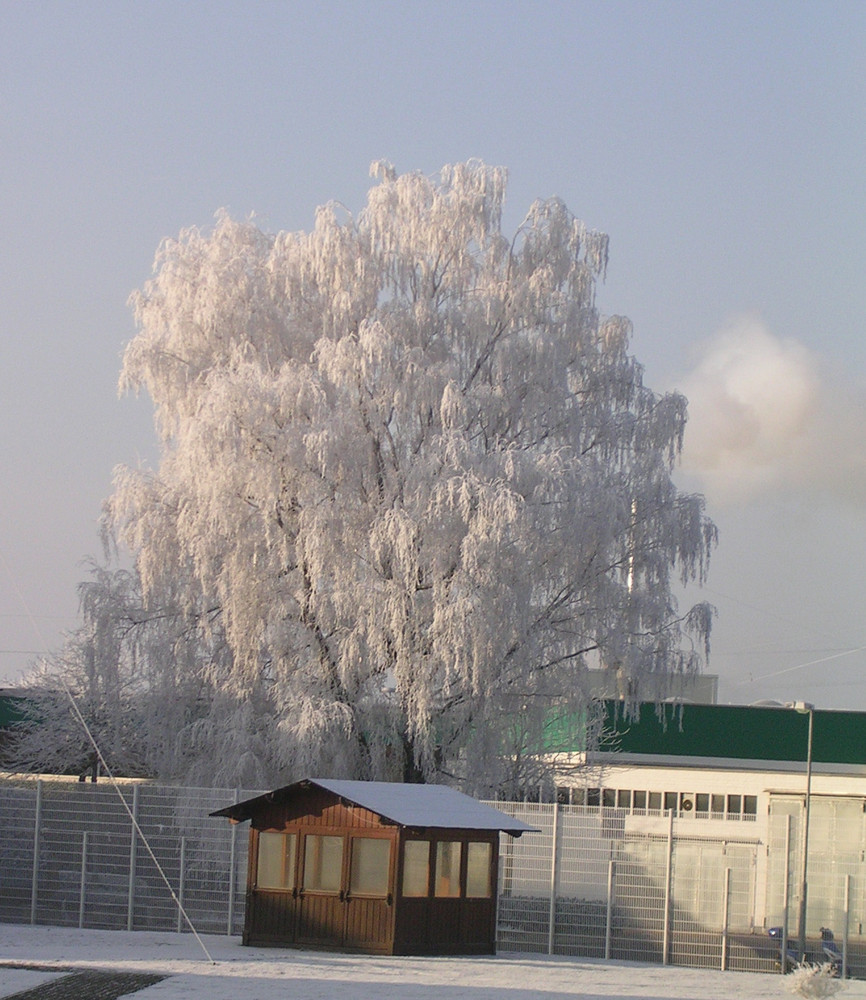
(804, 708)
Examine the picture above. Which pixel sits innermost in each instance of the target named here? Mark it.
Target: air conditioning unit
(686, 804)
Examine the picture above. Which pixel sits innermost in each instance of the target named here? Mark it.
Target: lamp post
(804, 708)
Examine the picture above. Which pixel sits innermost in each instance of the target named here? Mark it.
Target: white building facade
(731, 787)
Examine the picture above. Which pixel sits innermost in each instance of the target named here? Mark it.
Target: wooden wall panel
(316, 808)
(271, 917)
(320, 920)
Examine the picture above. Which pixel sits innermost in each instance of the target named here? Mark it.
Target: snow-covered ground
(276, 974)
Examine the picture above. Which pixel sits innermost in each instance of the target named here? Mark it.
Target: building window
(640, 801)
(448, 868)
(371, 864)
(323, 863)
(276, 860)
(478, 858)
(416, 867)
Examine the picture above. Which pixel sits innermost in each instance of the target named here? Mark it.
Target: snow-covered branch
(417, 473)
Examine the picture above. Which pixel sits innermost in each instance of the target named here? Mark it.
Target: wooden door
(271, 915)
(368, 900)
(321, 897)
(478, 919)
(444, 930)
(448, 896)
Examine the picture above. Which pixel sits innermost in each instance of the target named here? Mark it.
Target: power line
(801, 666)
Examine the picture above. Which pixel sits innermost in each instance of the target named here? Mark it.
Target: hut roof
(426, 806)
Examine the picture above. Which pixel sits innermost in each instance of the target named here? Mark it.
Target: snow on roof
(405, 804)
(423, 805)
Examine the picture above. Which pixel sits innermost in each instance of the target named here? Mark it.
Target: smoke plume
(766, 414)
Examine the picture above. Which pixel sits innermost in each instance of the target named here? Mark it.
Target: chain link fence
(594, 881)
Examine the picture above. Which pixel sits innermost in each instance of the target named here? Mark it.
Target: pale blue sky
(721, 145)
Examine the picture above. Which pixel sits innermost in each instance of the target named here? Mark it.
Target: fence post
(133, 843)
(180, 887)
(666, 937)
(233, 852)
(554, 871)
(786, 899)
(37, 835)
(611, 868)
(725, 919)
(83, 887)
(843, 972)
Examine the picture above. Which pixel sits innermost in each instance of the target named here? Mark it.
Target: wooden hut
(372, 866)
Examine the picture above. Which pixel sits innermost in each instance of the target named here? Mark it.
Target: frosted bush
(814, 981)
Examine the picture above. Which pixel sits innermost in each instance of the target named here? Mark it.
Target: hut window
(371, 861)
(448, 868)
(323, 863)
(416, 867)
(478, 857)
(276, 862)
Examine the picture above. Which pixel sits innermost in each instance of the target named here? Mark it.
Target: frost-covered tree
(96, 676)
(415, 475)
(135, 674)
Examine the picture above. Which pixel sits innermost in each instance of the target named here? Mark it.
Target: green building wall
(736, 732)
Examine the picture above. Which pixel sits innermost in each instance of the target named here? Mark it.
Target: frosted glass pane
(416, 867)
(448, 868)
(270, 873)
(276, 864)
(371, 861)
(323, 863)
(478, 857)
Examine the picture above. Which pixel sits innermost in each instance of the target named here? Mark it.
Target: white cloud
(765, 414)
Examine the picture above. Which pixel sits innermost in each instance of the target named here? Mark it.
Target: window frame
(288, 863)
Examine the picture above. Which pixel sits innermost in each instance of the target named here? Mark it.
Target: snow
(277, 974)
(406, 804)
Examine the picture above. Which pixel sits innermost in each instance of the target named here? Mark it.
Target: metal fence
(604, 882)
(594, 881)
(70, 856)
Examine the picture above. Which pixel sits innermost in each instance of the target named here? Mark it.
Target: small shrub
(814, 981)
